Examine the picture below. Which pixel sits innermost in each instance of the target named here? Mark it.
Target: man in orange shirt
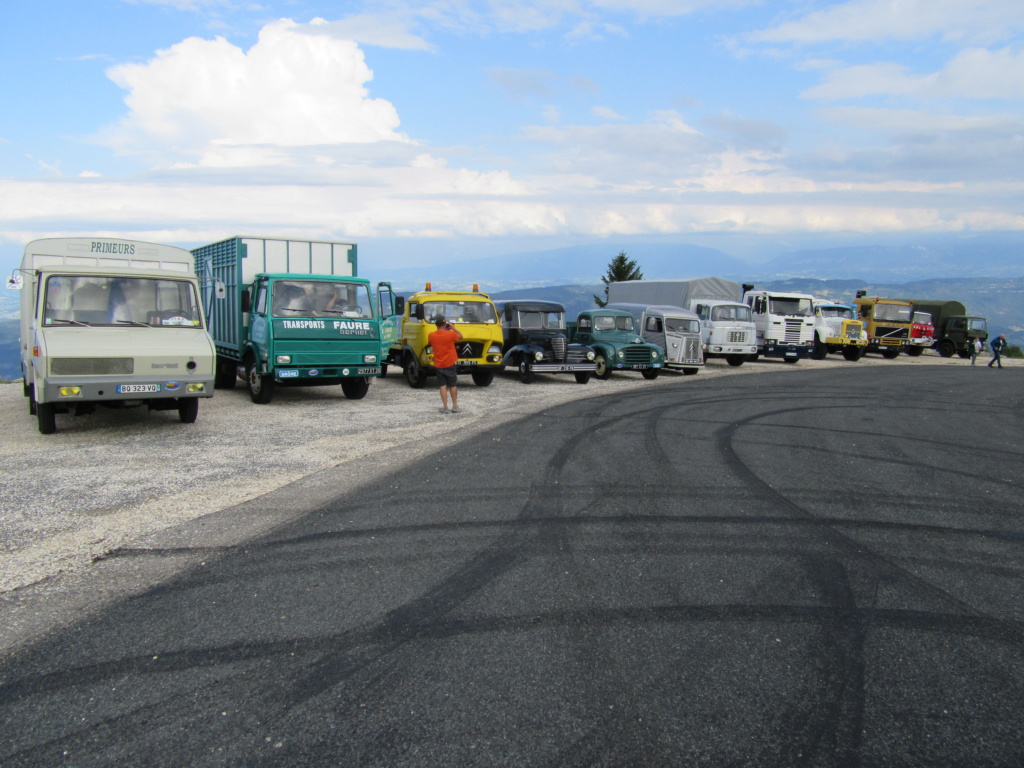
(445, 360)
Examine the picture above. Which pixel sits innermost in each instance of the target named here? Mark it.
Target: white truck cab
(111, 322)
(784, 322)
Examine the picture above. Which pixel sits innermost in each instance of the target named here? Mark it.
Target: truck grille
(891, 332)
(737, 337)
(92, 366)
(558, 348)
(692, 352)
(469, 350)
(852, 331)
(576, 354)
(636, 355)
(792, 333)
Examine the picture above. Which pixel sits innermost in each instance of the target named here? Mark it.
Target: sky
(448, 129)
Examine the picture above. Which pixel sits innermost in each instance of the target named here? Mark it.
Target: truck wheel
(45, 413)
(583, 377)
(963, 354)
(690, 371)
(651, 373)
(384, 370)
(525, 374)
(483, 378)
(188, 409)
(261, 388)
(414, 373)
(736, 360)
(853, 354)
(820, 351)
(355, 389)
(891, 354)
(946, 348)
(915, 351)
(602, 371)
(30, 393)
(226, 374)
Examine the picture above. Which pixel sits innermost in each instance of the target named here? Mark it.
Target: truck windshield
(320, 298)
(894, 313)
(479, 312)
(846, 313)
(922, 318)
(790, 305)
(977, 324)
(541, 321)
(681, 325)
(115, 300)
(739, 312)
(613, 323)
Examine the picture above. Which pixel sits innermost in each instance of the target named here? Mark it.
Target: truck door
(259, 322)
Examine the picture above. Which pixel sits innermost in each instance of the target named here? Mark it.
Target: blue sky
(456, 128)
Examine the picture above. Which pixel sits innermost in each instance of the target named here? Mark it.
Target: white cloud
(606, 113)
(980, 21)
(384, 30)
(974, 73)
(211, 100)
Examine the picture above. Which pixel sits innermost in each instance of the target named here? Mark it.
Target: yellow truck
(887, 322)
(471, 312)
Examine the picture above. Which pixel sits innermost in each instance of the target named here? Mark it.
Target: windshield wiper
(69, 322)
(134, 322)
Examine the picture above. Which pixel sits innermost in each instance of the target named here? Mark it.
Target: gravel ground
(109, 480)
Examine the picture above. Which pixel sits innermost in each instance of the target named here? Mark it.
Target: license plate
(288, 373)
(468, 362)
(368, 371)
(567, 367)
(131, 389)
(641, 366)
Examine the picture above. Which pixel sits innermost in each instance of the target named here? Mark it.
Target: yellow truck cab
(471, 312)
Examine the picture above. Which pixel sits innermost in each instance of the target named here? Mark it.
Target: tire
(918, 351)
(30, 393)
(226, 374)
(414, 373)
(188, 409)
(525, 373)
(355, 388)
(754, 357)
(651, 373)
(853, 354)
(820, 351)
(946, 348)
(383, 370)
(583, 377)
(261, 388)
(963, 354)
(690, 371)
(736, 360)
(890, 354)
(602, 372)
(45, 414)
(482, 378)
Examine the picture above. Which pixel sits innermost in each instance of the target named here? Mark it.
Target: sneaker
(455, 409)
(443, 410)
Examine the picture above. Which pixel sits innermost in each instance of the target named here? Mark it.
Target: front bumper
(773, 348)
(563, 367)
(93, 389)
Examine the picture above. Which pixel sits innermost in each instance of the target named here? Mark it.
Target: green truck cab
(955, 329)
(616, 343)
(471, 312)
(295, 315)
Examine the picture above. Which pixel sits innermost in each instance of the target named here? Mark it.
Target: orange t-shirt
(443, 343)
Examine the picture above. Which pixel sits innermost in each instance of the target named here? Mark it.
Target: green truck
(617, 344)
(294, 314)
(955, 330)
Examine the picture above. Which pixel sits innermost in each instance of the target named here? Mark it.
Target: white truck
(836, 329)
(111, 322)
(784, 323)
(727, 329)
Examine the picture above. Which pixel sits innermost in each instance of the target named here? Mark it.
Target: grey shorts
(446, 377)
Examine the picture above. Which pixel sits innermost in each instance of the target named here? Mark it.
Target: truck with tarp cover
(954, 329)
(111, 322)
(295, 314)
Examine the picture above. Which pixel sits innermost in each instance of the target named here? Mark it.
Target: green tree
(620, 268)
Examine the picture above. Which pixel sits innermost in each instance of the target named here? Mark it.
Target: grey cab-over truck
(536, 340)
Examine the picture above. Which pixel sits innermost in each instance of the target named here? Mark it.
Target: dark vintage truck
(617, 343)
(537, 341)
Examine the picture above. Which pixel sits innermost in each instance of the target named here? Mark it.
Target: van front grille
(92, 366)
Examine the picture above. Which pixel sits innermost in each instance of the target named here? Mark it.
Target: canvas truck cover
(678, 293)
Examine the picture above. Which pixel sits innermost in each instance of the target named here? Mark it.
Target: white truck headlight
(284, 359)
(538, 356)
(369, 358)
(590, 355)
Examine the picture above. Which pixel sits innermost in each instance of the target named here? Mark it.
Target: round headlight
(538, 356)
(654, 354)
(590, 355)
(621, 354)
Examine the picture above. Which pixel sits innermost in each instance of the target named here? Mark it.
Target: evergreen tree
(620, 268)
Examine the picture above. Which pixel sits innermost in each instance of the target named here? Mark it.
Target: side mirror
(219, 289)
(14, 282)
(419, 311)
(399, 305)
(246, 300)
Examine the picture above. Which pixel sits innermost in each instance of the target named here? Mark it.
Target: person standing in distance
(998, 345)
(445, 360)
